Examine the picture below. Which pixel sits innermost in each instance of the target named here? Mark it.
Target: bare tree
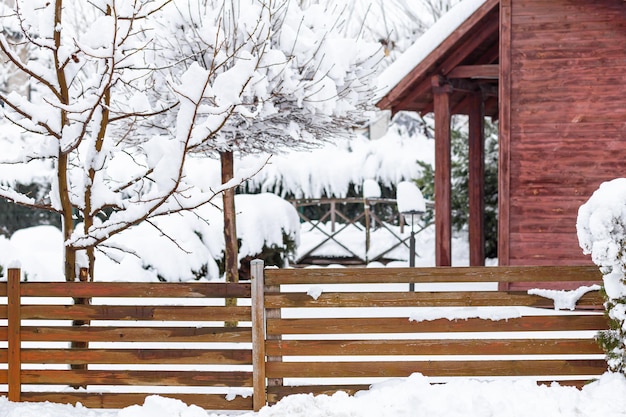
(294, 80)
(98, 120)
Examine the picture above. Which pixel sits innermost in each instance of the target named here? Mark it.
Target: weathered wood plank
(14, 339)
(108, 400)
(124, 312)
(275, 394)
(258, 335)
(441, 274)
(435, 368)
(433, 347)
(403, 325)
(476, 180)
(475, 71)
(443, 186)
(418, 299)
(505, 137)
(567, 72)
(138, 356)
(82, 377)
(547, 246)
(137, 334)
(136, 290)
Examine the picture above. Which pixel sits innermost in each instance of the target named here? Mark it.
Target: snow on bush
(601, 229)
(142, 253)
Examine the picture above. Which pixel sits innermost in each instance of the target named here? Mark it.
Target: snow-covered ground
(39, 252)
(415, 396)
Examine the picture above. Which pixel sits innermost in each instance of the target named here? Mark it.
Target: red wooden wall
(563, 121)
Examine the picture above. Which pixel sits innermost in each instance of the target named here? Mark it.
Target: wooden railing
(335, 222)
(347, 328)
(165, 338)
(298, 330)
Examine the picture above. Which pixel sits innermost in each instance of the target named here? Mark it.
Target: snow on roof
(426, 44)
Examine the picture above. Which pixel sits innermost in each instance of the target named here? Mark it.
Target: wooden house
(553, 73)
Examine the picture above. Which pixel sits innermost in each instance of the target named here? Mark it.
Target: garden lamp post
(411, 205)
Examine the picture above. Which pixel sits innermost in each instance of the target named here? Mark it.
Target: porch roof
(462, 47)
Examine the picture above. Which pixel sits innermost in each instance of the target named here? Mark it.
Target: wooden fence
(135, 339)
(298, 330)
(343, 330)
(337, 219)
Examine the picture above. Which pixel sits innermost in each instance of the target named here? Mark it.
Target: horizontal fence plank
(135, 289)
(417, 299)
(138, 356)
(404, 325)
(431, 275)
(275, 393)
(129, 378)
(490, 349)
(135, 334)
(431, 347)
(398, 358)
(124, 312)
(110, 400)
(435, 368)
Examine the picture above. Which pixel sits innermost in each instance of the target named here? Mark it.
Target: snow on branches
(264, 75)
(122, 93)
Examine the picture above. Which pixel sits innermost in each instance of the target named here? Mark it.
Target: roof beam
(483, 32)
(482, 72)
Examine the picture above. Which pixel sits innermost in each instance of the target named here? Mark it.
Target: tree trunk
(231, 246)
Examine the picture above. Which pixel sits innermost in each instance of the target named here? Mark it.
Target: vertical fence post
(273, 313)
(14, 338)
(83, 276)
(259, 397)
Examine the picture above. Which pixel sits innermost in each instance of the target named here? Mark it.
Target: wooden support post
(366, 211)
(259, 395)
(443, 187)
(476, 180)
(83, 276)
(273, 313)
(504, 137)
(14, 335)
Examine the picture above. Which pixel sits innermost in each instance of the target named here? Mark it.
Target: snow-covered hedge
(180, 247)
(601, 228)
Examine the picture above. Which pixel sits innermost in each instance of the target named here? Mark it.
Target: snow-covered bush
(601, 228)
